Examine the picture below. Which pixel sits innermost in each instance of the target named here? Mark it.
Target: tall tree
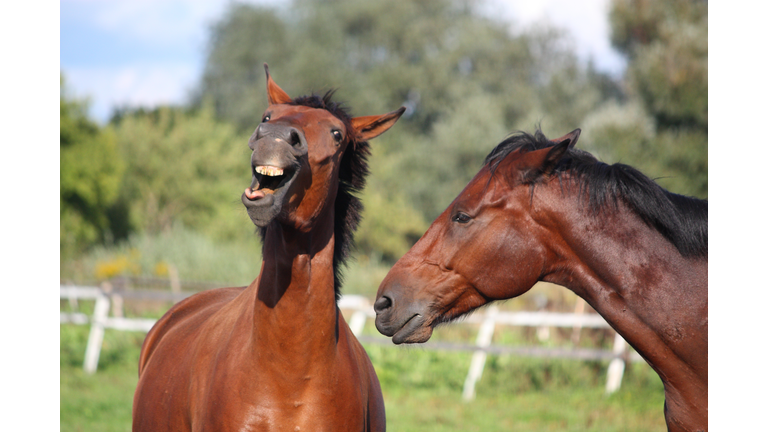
(90, 173)
(184, 167)
(662, 129)
(666, 42)
(239, 44)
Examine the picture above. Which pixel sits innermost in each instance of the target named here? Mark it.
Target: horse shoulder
(191, 311)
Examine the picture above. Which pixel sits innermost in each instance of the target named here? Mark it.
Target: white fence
(362, 310)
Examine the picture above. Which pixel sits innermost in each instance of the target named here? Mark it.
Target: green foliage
(389, 227)
(234, 76)
(101, 401)
(196, 257)
(662, 128)
(183, 167)
(671, 77)
(90, 173)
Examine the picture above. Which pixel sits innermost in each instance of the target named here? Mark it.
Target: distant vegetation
(176, 173)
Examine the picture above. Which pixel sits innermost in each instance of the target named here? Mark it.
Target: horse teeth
(269, 171)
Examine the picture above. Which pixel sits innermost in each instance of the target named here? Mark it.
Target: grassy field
(422, 390)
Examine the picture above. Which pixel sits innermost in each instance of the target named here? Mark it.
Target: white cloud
(585, 21)
(147, 85)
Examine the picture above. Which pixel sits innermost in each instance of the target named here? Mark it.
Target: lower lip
(253, 194)
(406, 330)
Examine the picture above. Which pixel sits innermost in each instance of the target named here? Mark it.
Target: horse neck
(629, 273)
(295, 313)
(615, 251)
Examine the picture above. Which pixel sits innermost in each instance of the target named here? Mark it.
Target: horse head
(487, 245)
(297, 152)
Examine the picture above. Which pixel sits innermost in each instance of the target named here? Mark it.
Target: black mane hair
(680, 219)
(353, 171)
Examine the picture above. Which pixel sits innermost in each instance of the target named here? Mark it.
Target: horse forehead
(485, 185)
(304, 116)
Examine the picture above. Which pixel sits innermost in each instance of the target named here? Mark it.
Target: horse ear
(557, 151)
(275, 95)
(541, 163)
(554, 155)
(369, 127)
(572, 137)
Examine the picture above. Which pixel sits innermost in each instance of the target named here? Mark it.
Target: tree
(233, 78)
(663, 128)
(666, 42)
(183, 166)
(90, 173)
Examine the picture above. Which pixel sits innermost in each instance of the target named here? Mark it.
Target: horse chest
(272, 408)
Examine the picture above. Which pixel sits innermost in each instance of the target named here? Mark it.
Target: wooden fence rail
(362, 310)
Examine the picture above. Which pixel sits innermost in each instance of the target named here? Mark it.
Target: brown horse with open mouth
(540, 210)
(276, 355)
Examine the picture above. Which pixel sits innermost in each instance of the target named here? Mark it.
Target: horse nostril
(295, 139)
(382, 304)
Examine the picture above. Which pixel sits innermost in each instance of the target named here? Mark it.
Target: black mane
(680, 219)
(353, 170)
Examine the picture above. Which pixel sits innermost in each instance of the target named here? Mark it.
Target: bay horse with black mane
(276, 355)
(540, 210)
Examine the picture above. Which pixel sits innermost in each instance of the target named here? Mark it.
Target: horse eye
(461, 218)
(336, 135)
(266, 118)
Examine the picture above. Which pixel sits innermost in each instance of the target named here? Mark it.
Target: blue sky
(146, 53)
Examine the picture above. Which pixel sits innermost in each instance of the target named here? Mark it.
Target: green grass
(102, 401)
(564, 409)
(422, 390)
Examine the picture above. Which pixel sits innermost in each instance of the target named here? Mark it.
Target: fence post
(116, 300)
(357, 322)
(616, 367)
(579, 311)
(484, 336)
(173, 275)
(96, 337)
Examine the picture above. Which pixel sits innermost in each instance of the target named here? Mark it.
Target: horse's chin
(414, 331)
(263, 210)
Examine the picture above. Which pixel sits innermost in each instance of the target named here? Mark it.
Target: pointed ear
(571, 137)
(369, 127)
(275, 95)
(541, 163)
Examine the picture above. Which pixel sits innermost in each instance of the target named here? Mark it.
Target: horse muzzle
(275, 164)
(404, 322)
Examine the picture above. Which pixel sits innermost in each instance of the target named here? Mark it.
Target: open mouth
(265, 197)
(266, 181)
